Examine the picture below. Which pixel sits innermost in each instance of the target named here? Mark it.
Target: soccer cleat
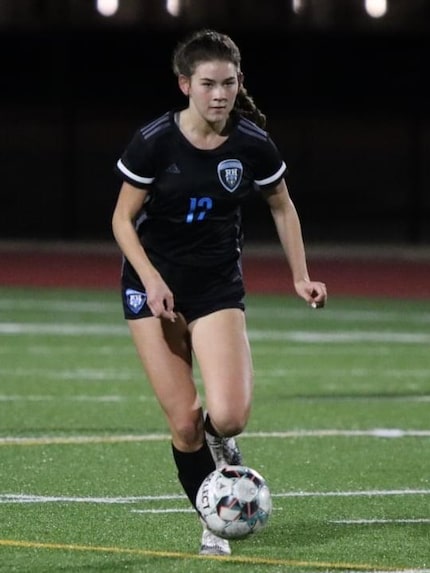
(224, 451)
(213, 545)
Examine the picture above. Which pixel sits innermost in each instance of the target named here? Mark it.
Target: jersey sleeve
(270, 167)
(136, 164)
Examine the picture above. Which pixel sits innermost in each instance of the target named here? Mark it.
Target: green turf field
(340, 429)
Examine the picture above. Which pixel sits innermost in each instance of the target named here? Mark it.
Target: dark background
(347, 100)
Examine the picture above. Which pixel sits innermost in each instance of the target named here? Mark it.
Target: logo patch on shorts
(230, 173)
(135, 300)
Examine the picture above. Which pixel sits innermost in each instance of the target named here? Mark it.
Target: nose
(219, 92)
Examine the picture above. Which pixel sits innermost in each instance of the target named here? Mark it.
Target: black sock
(193, 467)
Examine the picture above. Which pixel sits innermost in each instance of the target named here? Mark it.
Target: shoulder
(261, 151)
(152, 135)
(156, 128)
(255, 139)
(249, 129)
(139, 160)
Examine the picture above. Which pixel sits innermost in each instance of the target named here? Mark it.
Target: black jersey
(193, 211)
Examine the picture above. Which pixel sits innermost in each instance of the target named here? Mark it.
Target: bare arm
(159, 296)
(290, 234)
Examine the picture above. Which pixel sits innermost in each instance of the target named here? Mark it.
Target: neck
(201, 133)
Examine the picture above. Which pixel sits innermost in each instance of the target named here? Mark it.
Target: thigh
(221, 346)
(165, 351)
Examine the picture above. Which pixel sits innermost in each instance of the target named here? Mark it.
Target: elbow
(116, 225)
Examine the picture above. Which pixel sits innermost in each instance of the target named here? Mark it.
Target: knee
(229, 424)
(188, 434)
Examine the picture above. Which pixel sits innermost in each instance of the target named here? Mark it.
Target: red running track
(82, 267)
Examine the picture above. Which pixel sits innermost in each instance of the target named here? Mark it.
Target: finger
(169, 305)
(160, 312)
(168, 314)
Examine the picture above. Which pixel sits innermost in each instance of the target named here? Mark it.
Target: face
(212, 89)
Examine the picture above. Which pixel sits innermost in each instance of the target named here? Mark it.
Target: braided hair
(207, 45)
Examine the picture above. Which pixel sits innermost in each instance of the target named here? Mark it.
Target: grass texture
(340, 430)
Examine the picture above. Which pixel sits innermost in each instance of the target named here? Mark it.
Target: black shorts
(197, 291)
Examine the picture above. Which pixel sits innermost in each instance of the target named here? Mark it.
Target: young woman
(177, 221)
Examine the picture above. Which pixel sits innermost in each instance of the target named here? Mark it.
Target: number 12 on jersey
(198, 208)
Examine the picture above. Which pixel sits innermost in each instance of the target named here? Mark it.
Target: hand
(314, 292)
(160, 298)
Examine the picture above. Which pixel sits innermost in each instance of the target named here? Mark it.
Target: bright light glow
(173, 7)
(376, 8)
(107, 7)
(298, 5)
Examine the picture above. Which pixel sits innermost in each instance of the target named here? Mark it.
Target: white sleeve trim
(272, 178)
(131, 175)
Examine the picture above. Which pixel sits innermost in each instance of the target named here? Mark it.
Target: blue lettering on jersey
(198, 208)
(230, 173)
(135, 299)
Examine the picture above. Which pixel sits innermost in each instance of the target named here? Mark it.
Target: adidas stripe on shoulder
(156, 126)
(250, 128)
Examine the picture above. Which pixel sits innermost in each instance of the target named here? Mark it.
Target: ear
(240, 78)
(184, 84)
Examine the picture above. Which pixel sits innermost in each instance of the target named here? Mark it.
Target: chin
(220, 115)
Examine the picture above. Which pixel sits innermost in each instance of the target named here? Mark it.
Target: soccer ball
(234, 502)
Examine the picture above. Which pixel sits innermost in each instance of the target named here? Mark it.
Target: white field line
(113, 439)
(356, 316)
(123, 374)
(172, 510)
(342, 372)
(339, 336)
(333, 521)
(381, 349)
(79, 398)
(64, 329)
(30, 498)
(62, 347)
(87, 374)
(253, 310)
(112, 398)
(418, 521)
(66, 306)
(386, 571)
(379, 521)
(70, 329)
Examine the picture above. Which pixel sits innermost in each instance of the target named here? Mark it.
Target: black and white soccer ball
(234, 502)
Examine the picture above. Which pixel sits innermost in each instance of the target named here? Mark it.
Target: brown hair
(207, 45)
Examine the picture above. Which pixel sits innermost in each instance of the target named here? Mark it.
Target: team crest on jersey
(135, 299)
(230, 174)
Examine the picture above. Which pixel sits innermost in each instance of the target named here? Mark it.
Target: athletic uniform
(190, 223)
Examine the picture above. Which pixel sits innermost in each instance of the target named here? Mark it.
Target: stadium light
(298, 6)
(376, 8)
(173, 7)
(107, 7)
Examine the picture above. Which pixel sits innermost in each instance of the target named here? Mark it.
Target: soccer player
(177, 221)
